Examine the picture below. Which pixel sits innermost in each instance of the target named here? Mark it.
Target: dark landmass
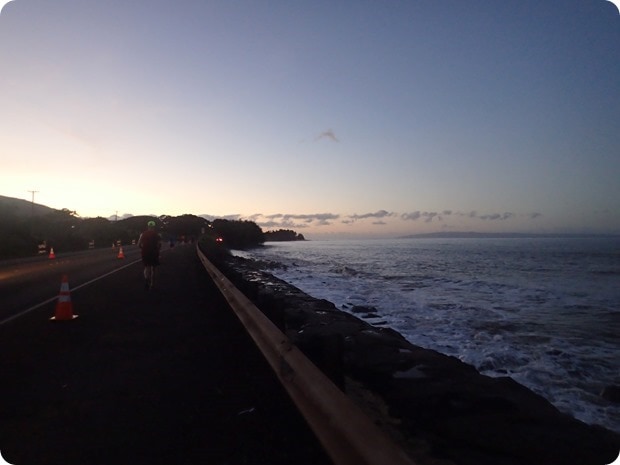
(282, 235)
(480, 235)
(28, 229)
(22, 207)
(441, 410)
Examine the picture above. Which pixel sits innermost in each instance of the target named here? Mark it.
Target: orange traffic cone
(64, 307)
(52, 254)
(120, 253)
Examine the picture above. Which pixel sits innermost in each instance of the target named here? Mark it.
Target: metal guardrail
(348, 436)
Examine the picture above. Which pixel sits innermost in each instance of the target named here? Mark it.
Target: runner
(150, 245)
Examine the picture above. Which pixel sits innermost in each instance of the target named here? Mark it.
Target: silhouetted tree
(186, 226)
(239, 234)
(21, 231)
(59, 230)
(283, 235)
(99, 229)
(16, 239)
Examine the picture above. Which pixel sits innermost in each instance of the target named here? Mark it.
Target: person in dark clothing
(150, 245)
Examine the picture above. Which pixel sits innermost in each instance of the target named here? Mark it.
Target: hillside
(22, 208)
(28, 229)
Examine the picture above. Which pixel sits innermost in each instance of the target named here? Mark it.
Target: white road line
(34, 307)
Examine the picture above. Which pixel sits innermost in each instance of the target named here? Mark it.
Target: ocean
(544, 311)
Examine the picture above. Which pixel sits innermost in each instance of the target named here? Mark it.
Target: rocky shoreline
(441, 410)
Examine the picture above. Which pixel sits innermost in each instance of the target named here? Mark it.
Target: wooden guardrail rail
(348, 436)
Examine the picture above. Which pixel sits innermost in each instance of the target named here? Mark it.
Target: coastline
(438, 408)
(481, 235)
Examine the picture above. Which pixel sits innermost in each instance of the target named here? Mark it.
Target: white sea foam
(544, 311)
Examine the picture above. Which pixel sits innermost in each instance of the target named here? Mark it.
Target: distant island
(481, 235)
(283, 235)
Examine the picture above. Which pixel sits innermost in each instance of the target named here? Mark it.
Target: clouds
(426, 216)
(497, 216)
(329, 135)
(380, 220)
(439, 216)
(320, 217)
(377, 214)
(383, 218)
(295, 221)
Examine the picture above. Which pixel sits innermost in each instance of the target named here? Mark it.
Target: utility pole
(32, 209)
(32, 213)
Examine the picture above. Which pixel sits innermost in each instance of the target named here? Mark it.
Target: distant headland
(481, 235)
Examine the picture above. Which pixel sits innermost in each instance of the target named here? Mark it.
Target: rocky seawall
(441, 410)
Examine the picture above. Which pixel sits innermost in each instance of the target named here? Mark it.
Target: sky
(348, 118)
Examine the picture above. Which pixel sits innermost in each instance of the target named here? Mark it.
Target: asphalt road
(140, 377)
(26, 283)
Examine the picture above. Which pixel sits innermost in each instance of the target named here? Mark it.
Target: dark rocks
(367, 313)
(363, 309)
(611, 393)
(446, 411)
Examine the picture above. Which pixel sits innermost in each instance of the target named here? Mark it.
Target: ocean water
(544, 311)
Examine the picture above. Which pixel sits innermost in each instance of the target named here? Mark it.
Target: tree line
(64, 230)
(283, 235)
